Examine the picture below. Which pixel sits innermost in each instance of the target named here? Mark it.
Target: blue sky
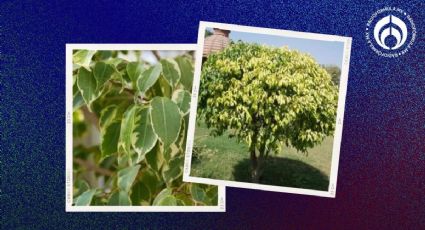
(325, 52)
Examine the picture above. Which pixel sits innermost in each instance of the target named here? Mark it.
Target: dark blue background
(381, 181)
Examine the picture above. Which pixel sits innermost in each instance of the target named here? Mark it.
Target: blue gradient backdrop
(381, 181)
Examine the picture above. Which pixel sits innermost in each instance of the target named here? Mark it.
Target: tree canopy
(267, 96)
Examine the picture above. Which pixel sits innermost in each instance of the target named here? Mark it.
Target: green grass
(225, 159)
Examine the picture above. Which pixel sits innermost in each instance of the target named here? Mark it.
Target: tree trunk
(257, 163)
(255, 175)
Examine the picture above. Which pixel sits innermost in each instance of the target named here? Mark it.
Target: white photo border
(339, 118)
(221, 206)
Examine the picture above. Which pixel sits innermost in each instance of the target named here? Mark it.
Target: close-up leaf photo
(129, 125)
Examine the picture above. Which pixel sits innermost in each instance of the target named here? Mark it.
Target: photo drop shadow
(279, 171)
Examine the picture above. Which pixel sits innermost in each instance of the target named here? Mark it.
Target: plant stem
(121, 86)
(91, 117)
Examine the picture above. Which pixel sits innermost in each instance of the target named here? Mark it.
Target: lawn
(225, 159)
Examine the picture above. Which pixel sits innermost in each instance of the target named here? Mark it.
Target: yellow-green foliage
(268, 96)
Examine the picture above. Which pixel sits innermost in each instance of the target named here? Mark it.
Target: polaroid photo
(127, 113)
(267, 109)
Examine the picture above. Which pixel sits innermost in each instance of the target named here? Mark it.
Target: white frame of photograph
(221, 206)
(339, 118)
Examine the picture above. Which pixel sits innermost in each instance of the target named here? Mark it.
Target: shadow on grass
(285, 172)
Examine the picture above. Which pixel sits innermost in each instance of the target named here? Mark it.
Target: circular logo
(390, 32)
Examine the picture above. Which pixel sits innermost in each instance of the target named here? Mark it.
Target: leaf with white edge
(149, 77)
(170, 71)
(182, 99)
(85, 198)
(155, 158)
(162, 195)
(166, 120)
(127, 176)
(107, 115)
(184, 199)
(114, 61)
(127, 127)
(109, 138)
(186, 70)
(173, 170)
(87, 84)
(144, 138)
(120, 198)
(102, 72)
(198, 193)
(134, 70)
(181, 140)
(83, 57)
(167, 201)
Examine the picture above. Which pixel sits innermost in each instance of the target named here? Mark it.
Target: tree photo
(267, 108)
(130, 112)
(267, 96)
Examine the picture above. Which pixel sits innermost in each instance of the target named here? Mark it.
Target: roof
(216, 42)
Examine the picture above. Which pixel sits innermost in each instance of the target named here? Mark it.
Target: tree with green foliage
(208, 33)
(267, 97)
(140, 111)
(335, 73)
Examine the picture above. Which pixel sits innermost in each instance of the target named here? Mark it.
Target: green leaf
(82, 186)
(167, 154)
(149, 77)
(171, 71)
(107, 115)
(87, 85)
(134, 70)
(151, 180)
(83, 57)
(182, 99)
(198, 193)
(166, 120)
(167, 201)
(124, 160)
(165, 89)
(109, 138)
(186, 70)
(85, 198)
(155, 158)
(114, 61)
(127, 127)
(162, 195)
(127, 176)
(103, 54)
(140, 193)
(120, 198)
(77, 101)
(173, 170)
(144, 138)
(184, 199)
(212, 194)
(102, 72)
